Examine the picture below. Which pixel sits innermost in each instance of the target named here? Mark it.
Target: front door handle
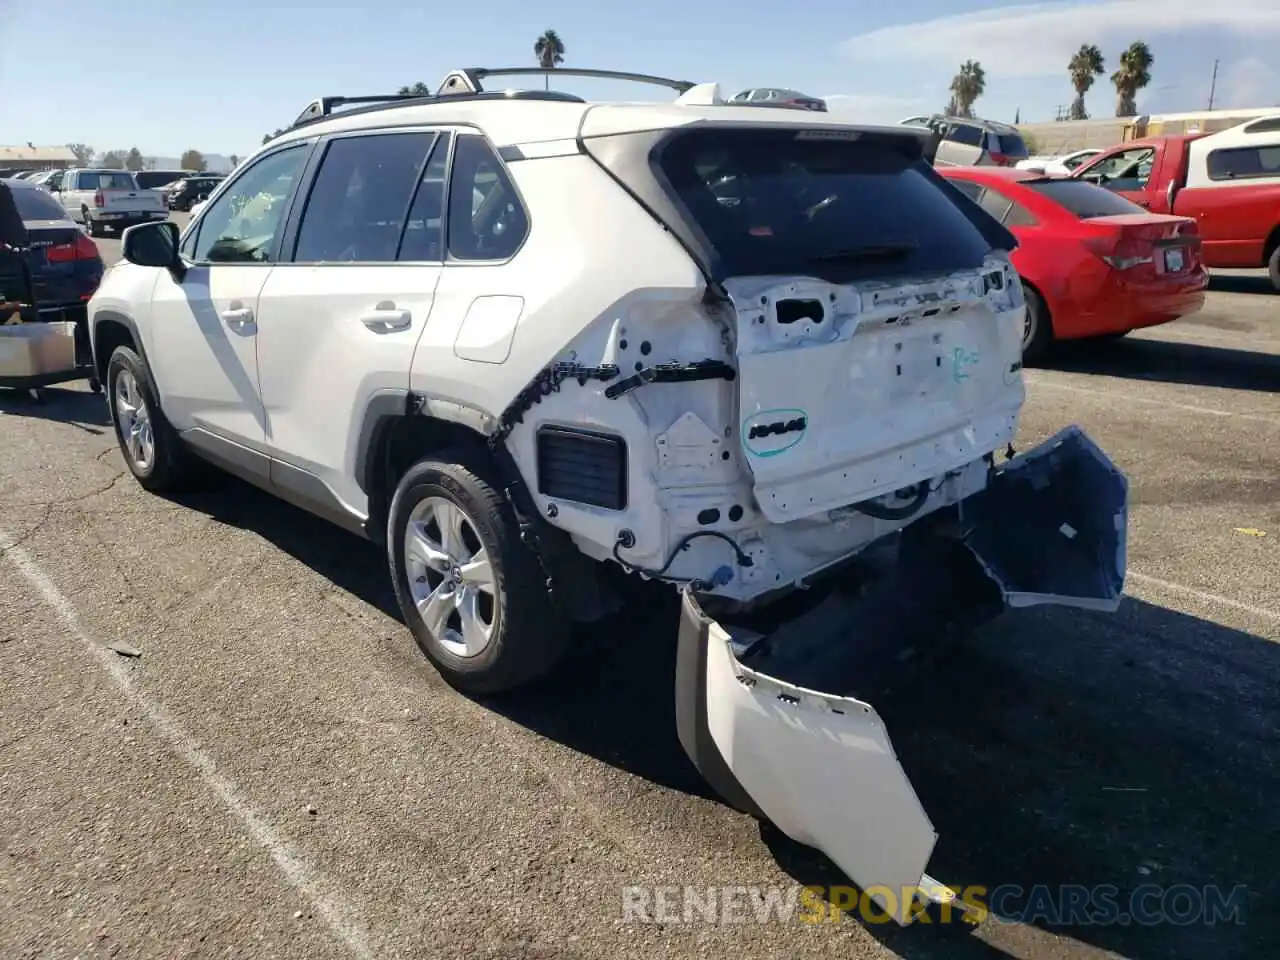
(385, 318)
(237, 316)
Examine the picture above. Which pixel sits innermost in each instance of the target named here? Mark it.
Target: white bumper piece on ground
(796, 746)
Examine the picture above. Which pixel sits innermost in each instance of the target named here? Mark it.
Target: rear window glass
(1009, 144)
(769, 202)
(1083, 199)
(34, 204)
(107, 180)
(1244, 163)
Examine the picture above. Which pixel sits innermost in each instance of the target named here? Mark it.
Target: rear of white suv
(526, 346)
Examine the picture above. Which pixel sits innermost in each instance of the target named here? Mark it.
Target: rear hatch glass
(1084, 199)
(106, 181)
(773, 202)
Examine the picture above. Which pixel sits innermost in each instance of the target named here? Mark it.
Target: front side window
(486, 218)
(241, 226)
(360, 199)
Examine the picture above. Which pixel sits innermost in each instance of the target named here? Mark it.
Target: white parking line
(328, 904)
(1114, 395)
(1212, 598)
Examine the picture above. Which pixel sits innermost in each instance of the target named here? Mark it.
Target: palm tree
(1083, 67)
(1133, 75)
(968, 86)
(549, 49)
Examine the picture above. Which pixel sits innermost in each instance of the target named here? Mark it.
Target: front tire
(1273, 268)
(471, 592)
(152, 449)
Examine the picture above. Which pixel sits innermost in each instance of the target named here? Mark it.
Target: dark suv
(185, 194)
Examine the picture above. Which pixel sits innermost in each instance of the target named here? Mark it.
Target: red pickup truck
(1231, 188)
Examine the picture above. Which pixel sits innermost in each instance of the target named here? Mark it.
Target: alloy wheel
(133, 417)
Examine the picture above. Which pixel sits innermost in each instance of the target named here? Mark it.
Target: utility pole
(1213, 84)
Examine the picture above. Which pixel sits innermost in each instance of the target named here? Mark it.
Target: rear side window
(360, 199)
(486, 218)
(1244, 163)
(769, 202)
(1082, 198)
(963, 133)
(1008, 144)
(35, 204)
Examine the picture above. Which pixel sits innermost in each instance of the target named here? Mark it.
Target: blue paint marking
(960, 360)
(785, 414)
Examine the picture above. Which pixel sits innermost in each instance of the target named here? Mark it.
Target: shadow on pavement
(79, 408)
(1061, 748)
(1169, 362)
(1241, 283)
(1055, 747)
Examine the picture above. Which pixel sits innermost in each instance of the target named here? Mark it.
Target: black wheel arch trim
(100, 362)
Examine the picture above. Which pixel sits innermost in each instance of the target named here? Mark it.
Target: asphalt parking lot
(279, 774)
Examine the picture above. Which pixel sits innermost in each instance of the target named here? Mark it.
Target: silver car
(779, 97)
(971, 142)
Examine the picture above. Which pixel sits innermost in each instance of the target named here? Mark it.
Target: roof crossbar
(469, 80)
(324, 106)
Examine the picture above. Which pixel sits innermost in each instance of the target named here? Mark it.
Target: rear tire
(152, 449)
(1273, 268)
(90, 226)
(1037, 334)
(473, 594)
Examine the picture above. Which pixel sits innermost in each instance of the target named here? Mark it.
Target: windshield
(771, 202)
(1009, 145)
(35, 204)
(1084, 199)
(152, 179)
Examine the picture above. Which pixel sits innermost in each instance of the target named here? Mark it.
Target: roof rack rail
(469, 80)
(324, 106)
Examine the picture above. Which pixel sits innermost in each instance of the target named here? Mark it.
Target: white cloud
(1038, 39)
(873, 107)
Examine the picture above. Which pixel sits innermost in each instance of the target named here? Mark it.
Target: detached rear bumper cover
(1049, 528)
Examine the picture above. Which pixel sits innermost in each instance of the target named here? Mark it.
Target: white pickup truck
(107, 198)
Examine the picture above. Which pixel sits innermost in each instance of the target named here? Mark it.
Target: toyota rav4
(536, 347)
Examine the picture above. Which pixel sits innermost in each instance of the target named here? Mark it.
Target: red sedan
(1093, 264)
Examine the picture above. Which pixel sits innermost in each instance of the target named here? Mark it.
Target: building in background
(1058, 137)
(31, 157)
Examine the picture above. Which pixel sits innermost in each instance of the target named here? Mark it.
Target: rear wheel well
(397, 444)
(1270, 246)
(109, 334)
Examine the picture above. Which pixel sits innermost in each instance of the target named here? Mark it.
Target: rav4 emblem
(771, 432)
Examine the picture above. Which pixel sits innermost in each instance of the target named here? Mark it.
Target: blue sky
(216, 77)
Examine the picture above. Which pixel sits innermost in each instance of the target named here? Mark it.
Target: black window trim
(192, 233)
(1248, 176)
(293, 223)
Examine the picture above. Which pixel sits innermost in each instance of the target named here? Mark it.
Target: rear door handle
(385, 318)
(237, 316)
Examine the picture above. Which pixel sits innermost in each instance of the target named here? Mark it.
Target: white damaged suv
(538, 347)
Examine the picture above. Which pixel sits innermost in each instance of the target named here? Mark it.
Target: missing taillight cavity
(789, 311)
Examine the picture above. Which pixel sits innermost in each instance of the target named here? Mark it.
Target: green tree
(967, 86)
(83, 152)
(133, 159)
(1085, 65)
(549, 49)
(267, 138)
(419, 89)
(111, 160)
(235, 161)
(193, 160)
(1134, 74)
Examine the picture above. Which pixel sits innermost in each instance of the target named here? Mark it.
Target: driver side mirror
(154, 245)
